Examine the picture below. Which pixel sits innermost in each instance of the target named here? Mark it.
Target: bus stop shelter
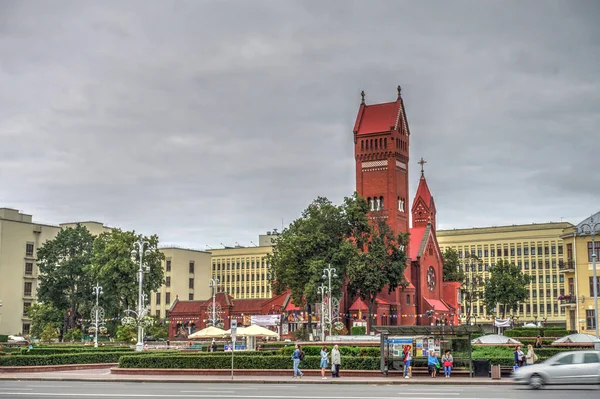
(423, 339)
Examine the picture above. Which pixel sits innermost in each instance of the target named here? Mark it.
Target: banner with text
(265, 320)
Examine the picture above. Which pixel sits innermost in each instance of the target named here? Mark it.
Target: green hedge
(70, 358)
(240, 362)
(3, 338)
(365, 351)
(358, 330)
(81, 349)
(553, 332)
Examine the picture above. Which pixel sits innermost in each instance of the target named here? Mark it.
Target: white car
(16, 338)
(565, 368)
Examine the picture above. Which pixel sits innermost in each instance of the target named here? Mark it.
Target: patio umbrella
(575, 339)
(258, 331)
(208, 332)
(495, 340)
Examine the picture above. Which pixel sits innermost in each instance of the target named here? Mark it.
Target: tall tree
(115, 270)
(452, 266)
(324, 235)
(41, 315)
(507, 286)
(63, 282)
(378, 263)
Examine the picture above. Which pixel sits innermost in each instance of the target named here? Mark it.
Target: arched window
(380, 143)
(362, 144)
(380, 202)
(385, 142)
(375, 143)
(371, 144)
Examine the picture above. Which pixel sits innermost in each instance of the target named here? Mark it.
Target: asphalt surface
(59, 389)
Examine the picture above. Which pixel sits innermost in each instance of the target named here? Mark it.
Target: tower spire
(399, 92)
(362, 95)
(422, 162)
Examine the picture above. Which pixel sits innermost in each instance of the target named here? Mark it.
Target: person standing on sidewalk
(336, 361)
(296, 357)
(407, 361)
(324, 363)
(518, 356)
(447, 362)
(531, 357)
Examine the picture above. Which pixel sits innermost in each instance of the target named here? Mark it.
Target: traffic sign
(233, 330)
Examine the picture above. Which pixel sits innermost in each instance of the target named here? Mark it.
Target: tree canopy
(324, 235)
(507, 287)
(380, 262)
(114, 269)
(63, 261)
(452, 269)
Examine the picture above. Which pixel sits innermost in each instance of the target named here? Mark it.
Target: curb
(58, 367)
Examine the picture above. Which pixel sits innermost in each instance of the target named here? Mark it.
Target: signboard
(358, 323)
(426, 345)
(397, 345)
(238, 347)
(233, 329)
(266, 320)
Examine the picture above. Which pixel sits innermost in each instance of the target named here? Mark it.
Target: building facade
(187, 273)
(20, 239)
(537, 249)
(243, 272)
(578, 299)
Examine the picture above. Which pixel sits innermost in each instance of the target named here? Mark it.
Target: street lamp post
(590, 228)
(213, 283)
(97, 291)
(328, 272)
(139, 253)
(322, 289)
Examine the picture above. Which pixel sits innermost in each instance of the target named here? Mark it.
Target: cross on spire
(422, 162)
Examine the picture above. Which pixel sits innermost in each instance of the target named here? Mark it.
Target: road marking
(17, 389)
(154, 395)
(50, 386)
(207, 391)
(415, 392)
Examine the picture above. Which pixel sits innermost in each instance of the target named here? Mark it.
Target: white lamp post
(591, 228)
(213, 283)
(322, 289)
(97, 291)
(328, 273)
(139, 254)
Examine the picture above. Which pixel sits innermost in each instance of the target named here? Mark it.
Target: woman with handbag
(432, 364)
(447, 362)
(531, 357)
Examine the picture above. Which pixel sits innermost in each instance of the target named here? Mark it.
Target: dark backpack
(301, 355)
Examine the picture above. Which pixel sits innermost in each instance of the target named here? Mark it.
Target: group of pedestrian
(522, 359)
(336, 361)
(433, 364)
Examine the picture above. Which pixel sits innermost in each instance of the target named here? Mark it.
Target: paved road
(124, 390)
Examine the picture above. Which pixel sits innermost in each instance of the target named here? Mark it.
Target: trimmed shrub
(364, 351)
(358, 330)
(70, 358)
(3, 338)
(56, 350)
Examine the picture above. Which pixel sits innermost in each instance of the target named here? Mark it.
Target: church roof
(377, 118)
(423, 192)
(418, 240)
(436, 305)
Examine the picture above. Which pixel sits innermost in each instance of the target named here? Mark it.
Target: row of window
(381, 143)
(240, 264)
(546, 264)
(518, 250)
(249, 290)
(191, 266)
(230, 278)
(523, 309)
(591, 251)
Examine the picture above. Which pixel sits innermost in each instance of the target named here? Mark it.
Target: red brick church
(381, 147)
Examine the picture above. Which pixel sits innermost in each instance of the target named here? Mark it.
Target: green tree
(49, 334)
(115, 270)
(452, 269)
(41, 315)
(507, 286)
(157, 331)
(73, 335)
(126, 334)
(324, 235)
(63, 281)
(380, 262)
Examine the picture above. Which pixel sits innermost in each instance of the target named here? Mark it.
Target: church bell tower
(381, 148)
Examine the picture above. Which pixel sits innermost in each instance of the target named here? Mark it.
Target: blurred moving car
(16, 338)
(565, 368)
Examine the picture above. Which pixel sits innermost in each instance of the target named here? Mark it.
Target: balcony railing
(567, 300)
(566, 265)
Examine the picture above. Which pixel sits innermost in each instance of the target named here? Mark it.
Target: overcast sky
(210, 122)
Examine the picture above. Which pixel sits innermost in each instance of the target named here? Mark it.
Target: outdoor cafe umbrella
(258, 331)
(209, 332)
(576, 340)
(494, 340)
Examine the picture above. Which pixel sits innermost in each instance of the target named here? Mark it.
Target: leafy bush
(352, 351)
(70, 358)
(49, 334)
(3, 338)
(554, 332)
(240, 362)
(57, 350)
(358, 330)
(73, 335)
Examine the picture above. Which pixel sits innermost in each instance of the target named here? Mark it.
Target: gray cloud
(209, 122)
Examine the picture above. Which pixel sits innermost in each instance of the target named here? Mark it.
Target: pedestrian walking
(447, 362)
(297, 356)
(407, 359)
(433, 364)
(336, 361)
(531, 357)
(538, 342)
(324, 363)
(213, 346)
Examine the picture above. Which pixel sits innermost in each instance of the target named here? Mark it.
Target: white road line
(154, 395)
(445, 393)
(207, 391)
(50, 386)
(17, 389)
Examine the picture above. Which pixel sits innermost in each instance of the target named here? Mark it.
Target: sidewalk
(104, 374)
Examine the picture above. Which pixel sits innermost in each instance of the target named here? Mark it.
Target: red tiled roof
(291, 307)
(187, 307)
(359, 304)
(436, 305)
(414, 241)
(377, 118)
(424, 193)
(248, 305)
(381, 301)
